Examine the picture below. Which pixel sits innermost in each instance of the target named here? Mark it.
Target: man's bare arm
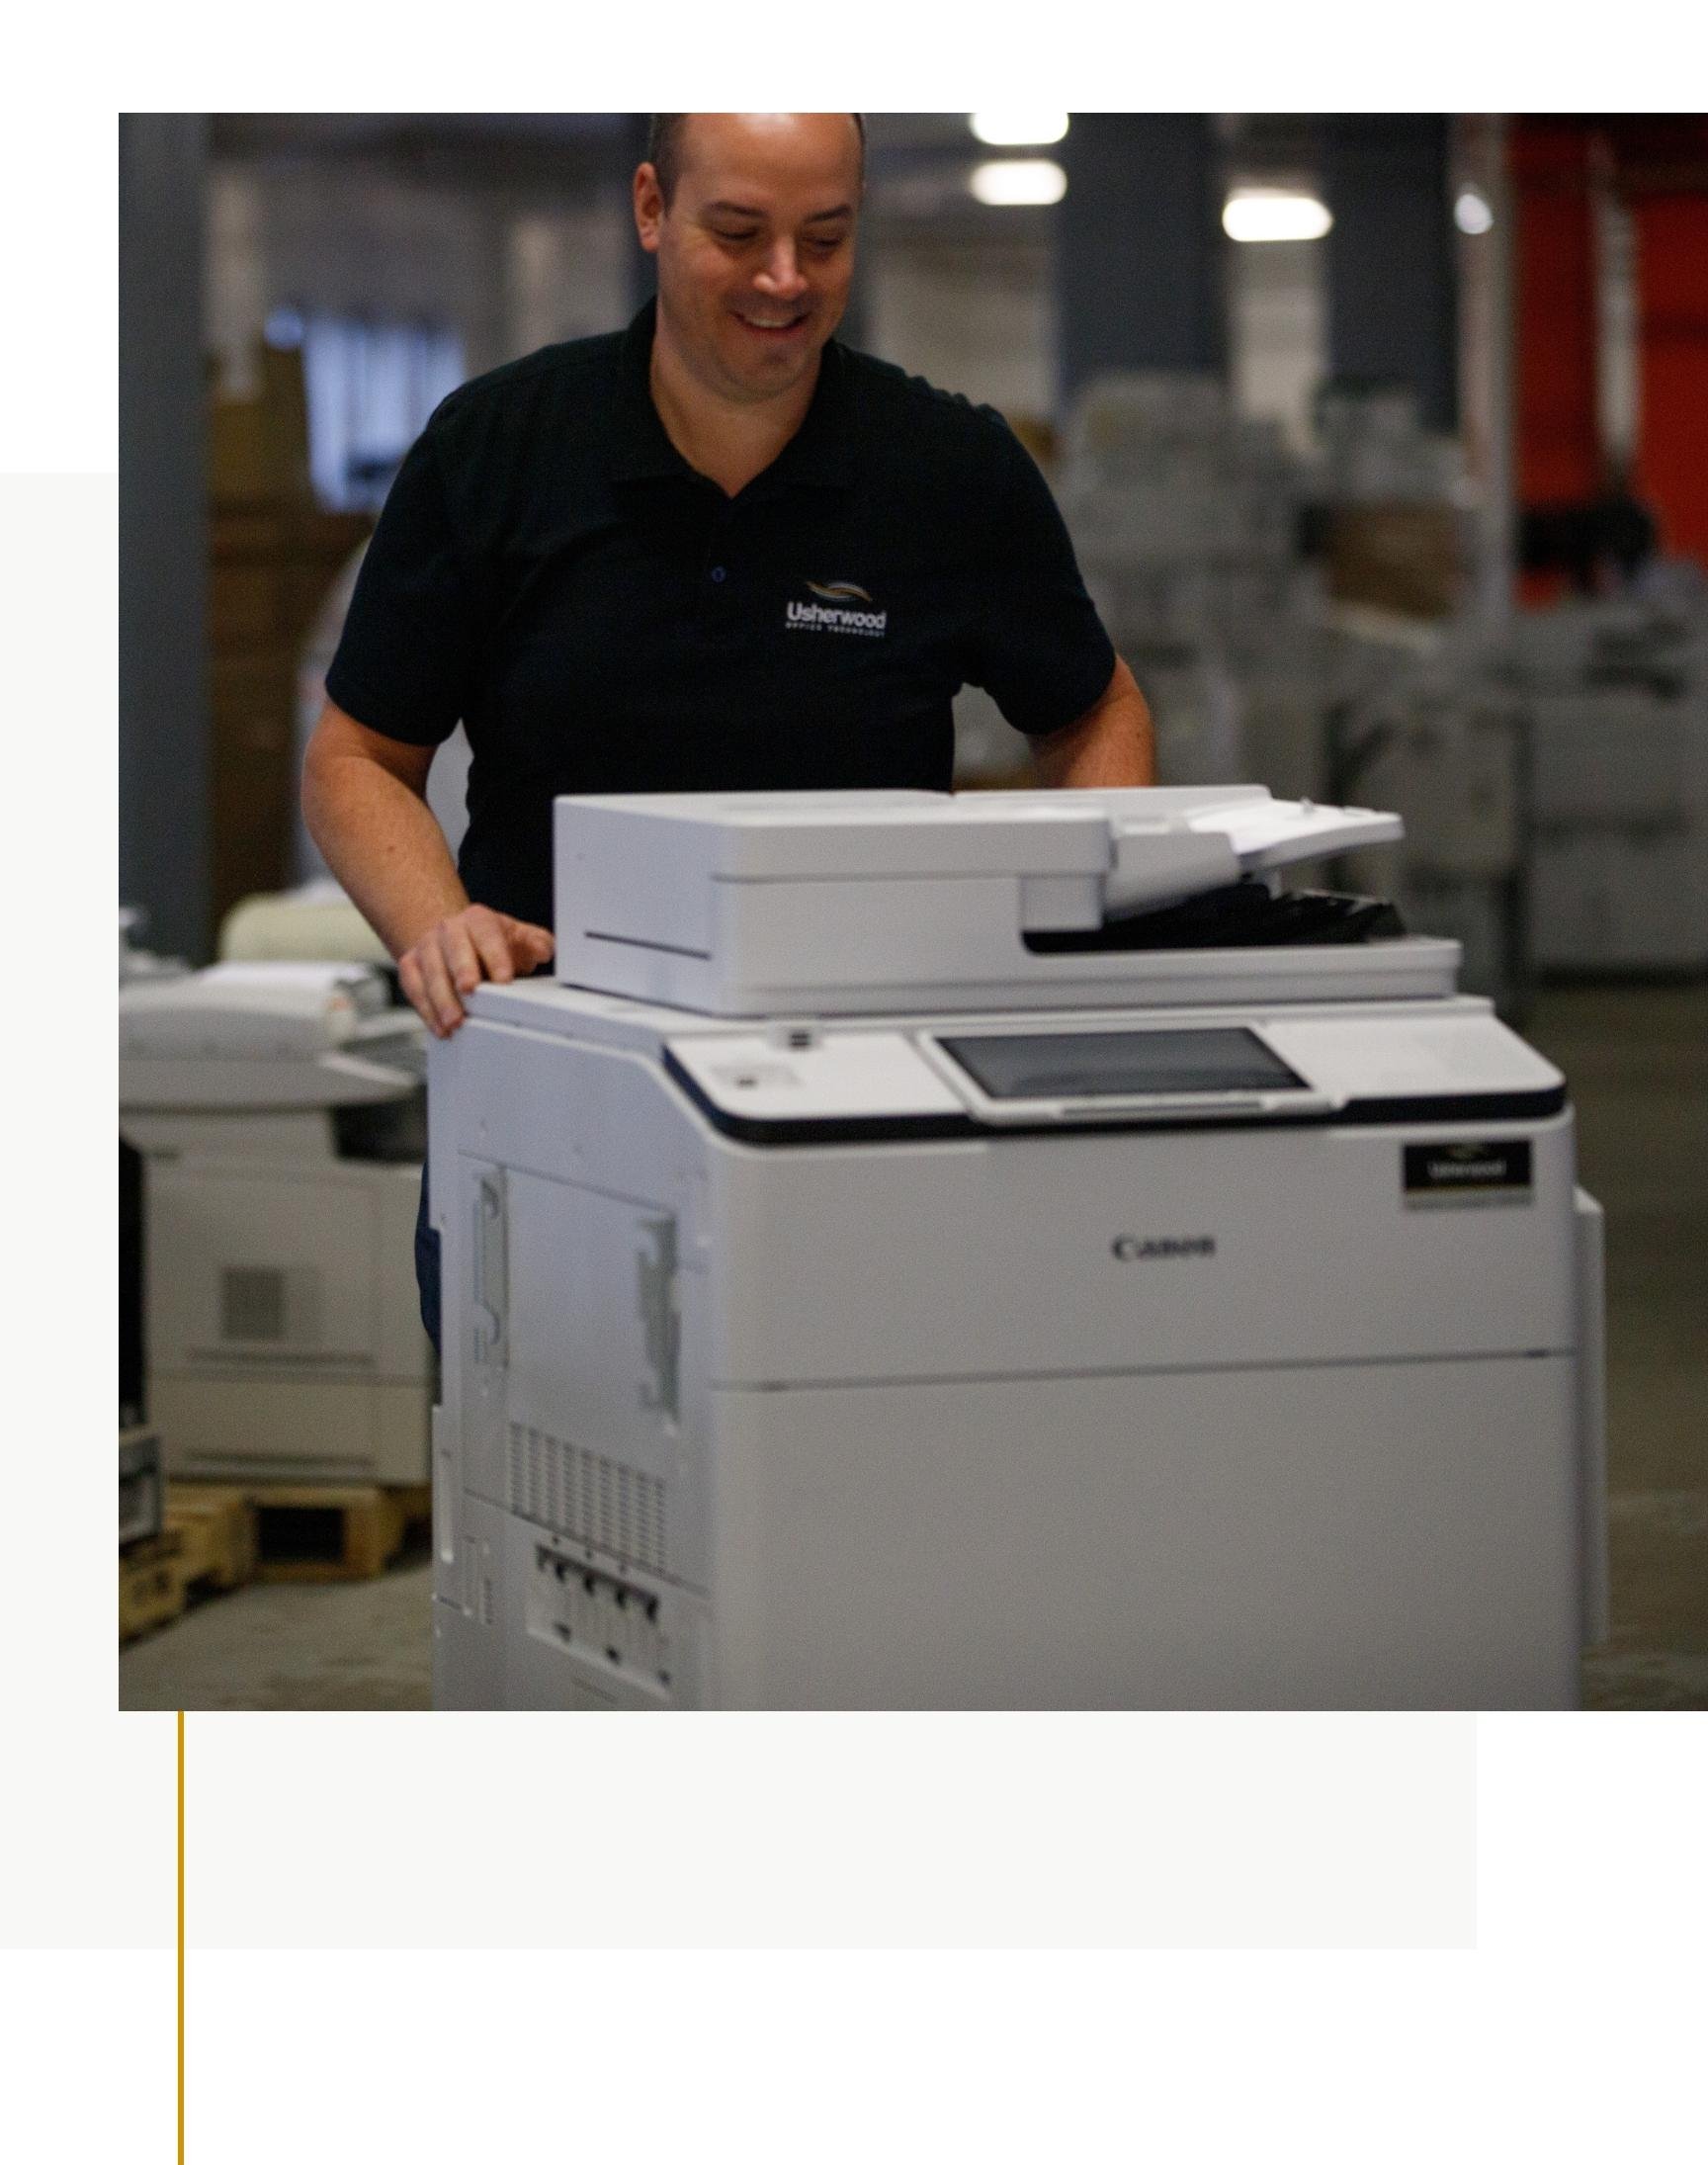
(1111, 747)
(364, 803)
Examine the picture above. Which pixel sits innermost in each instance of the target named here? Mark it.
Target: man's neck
(730, 441)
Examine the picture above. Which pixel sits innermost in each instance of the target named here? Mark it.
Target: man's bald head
(755, 253)
(667, 148)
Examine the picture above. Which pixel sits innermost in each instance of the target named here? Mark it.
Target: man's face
(756, 250)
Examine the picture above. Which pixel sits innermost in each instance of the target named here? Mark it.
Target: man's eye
(826, 247)
(724, 234)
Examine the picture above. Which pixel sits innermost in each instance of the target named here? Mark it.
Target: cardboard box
(270, 566)
(248, 606)
(254, 772)
(258, 447)
(1407, 558)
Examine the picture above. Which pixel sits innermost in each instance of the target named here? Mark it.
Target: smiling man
(715, 551)
(751, 283)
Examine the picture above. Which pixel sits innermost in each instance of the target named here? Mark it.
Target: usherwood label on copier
(1467, 1173)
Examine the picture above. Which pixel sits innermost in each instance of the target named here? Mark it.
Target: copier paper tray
(1246, 915)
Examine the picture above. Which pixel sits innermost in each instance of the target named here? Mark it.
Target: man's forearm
(1111, 747)
(386, 849)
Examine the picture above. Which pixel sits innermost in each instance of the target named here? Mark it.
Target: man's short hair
(664, 148)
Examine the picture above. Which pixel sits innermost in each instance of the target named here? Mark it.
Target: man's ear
(648, 207)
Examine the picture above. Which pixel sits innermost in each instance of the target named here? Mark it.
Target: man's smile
(770, 323)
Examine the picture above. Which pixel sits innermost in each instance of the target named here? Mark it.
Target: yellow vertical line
(180, 1935)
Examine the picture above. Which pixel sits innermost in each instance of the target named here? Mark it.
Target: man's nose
(782, 275)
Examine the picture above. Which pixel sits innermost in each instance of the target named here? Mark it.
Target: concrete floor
(1637, 1059)
(361, 1647)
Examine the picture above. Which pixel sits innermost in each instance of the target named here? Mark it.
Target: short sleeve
(1040, 648)
(402, 663)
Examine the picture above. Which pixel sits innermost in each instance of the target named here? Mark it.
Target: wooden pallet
(207, 1546)
(220, 1537)
(312, 1534)
(152, 1589)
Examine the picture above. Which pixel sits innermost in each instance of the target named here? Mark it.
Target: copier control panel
(993, 1077)
(803, 1077)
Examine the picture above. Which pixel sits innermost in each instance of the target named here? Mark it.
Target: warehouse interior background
(1382, 442)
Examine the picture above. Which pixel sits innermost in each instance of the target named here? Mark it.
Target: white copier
(1005, 1251)
(279, 1110)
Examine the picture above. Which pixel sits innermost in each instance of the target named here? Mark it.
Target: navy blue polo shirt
(551, 571)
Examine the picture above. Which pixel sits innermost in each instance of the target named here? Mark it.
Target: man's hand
(457, 953)
(365, 797)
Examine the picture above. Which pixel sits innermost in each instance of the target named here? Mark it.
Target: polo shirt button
(718, 574)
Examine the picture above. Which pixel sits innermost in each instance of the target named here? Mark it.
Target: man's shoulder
(891, 394)
(573, 373)
(921, 436)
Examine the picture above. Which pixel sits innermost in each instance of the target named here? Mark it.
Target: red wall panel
(1557, 421)
(1672, 365)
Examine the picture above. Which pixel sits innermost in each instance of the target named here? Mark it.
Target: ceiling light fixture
(1018, 128)
(1019, 180)
(1274, 214)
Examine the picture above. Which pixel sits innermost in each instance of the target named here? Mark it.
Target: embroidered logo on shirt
(831, 611)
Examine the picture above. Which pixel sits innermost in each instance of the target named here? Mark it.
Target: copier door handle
(660, 1322)
(491, 1296)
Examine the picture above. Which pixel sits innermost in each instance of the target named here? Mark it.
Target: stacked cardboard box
(1617, 694)
(1373, 449)
(274, 553)
(1554, 784)
(1405, 557)
(1185, 520)
(1434, 735)
(1389, 497)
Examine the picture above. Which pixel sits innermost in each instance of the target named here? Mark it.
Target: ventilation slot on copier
(591, 1498)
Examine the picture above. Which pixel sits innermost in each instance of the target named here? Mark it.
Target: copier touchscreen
(1121, 1064)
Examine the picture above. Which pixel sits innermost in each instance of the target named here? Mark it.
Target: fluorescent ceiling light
(1019, 180)
(1471, 214)
(1274, 214)
(1013, 128)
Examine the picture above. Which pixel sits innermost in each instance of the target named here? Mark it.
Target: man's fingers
(444, 1011)
(463, 959)
(531, 940)
(413, 989)
(490, 934)
(442, 969)
(413, 981)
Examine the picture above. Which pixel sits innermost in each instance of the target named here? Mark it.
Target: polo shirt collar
(820, 453)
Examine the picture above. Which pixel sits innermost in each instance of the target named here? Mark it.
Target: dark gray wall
(163, 723)
(1392, 295)
(1141, 274)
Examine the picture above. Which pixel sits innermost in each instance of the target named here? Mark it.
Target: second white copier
(278, 1109)
(1005, 1251)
